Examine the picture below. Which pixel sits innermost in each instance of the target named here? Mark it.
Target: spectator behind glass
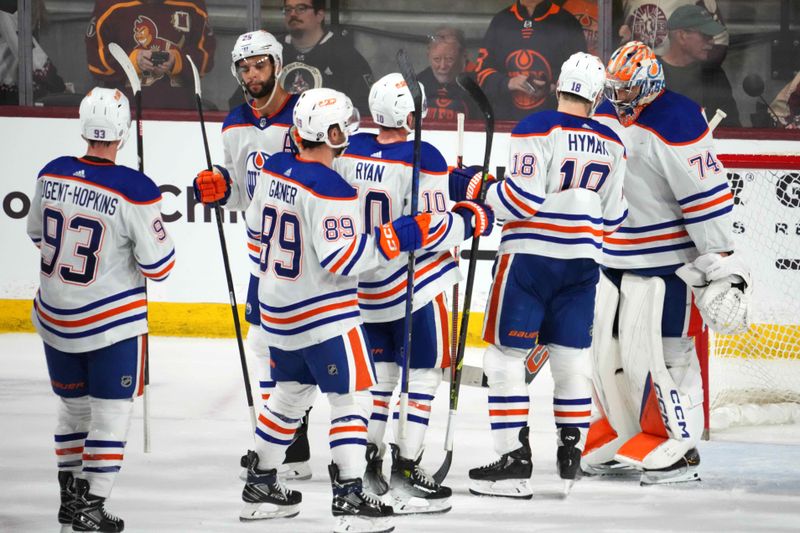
(341, 66)
(45, 78)
(646, 21)
(448, 58)
(585, 11)
(686, 71)
(787, 104)
(522, 54)
(156, 35)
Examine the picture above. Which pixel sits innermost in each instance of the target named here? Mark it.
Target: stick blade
(441, 474)
(471, 87)
(196, 75)
(125, 62)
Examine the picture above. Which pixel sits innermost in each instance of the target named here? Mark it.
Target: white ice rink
(200, 428)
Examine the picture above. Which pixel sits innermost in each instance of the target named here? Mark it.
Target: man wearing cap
(686, 71)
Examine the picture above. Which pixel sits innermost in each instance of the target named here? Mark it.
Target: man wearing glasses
(342, 67)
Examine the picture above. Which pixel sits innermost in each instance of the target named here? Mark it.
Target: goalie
(671, 268)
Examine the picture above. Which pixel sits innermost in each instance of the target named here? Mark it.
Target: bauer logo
(254, 164)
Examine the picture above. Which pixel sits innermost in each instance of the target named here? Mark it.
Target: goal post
(754, 378)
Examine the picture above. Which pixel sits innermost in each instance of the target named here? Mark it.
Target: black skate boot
(413, 490)
(66, 482)
(374, 480)
(265, 496)
(296, 464)
(508, 476)
(684, 469)
(568, 457)
(90, 512)
(355, 510)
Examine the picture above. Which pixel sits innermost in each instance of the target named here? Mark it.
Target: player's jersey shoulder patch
(675, 118)
(312, 176)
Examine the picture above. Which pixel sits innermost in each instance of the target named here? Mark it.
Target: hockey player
(251, 133)
(561, 195)
(680, 206)
(379, 167)
(100, 232)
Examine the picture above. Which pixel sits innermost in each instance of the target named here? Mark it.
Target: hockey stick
(454, 307)
(136, 86)
(416, 95)
(226, 262)
(718, 117)
(475, 92)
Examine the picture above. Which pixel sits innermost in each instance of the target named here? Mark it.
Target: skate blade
(617, 470)
(362, 524)
(66, 528)
(683, 475)
(405, 505)
(568, 484)
(255, 511)
(506, 488)
(295, 471)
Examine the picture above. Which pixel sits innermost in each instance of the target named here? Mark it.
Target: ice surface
(200, 427)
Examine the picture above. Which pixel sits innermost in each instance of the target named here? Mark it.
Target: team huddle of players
(329, 225)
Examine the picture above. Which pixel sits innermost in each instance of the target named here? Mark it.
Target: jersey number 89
(289, 240)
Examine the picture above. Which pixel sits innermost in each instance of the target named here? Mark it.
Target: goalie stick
(228, 277)
(416, 95)
(136, 86)
(475, 92)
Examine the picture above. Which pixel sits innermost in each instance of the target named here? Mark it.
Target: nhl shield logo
(332, 370)
(126, 381)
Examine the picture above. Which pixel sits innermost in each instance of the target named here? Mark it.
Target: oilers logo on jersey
(253, 165)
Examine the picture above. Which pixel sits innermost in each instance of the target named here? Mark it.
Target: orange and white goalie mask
(634, 78)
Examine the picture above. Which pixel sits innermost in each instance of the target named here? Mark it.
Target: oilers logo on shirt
(253, 164)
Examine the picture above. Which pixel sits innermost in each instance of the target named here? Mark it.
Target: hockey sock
(508, 395)
(572, 390)
(348, 435)
(105, 445)
(387, 374)
(279, 419)
(422, 385)
(74, 415)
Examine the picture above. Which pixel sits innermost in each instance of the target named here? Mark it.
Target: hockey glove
(212, 186)
(478, 218)
(721, 287)
(466, 183)
(403, 234)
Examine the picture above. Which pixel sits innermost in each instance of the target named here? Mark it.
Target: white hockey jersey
(680, 201)
(248, 141)
(304, 230)
(98, 226)
(381, 173)
(563, 188)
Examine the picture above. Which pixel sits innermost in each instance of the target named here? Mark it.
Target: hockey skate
(66, 482)
(265, 496)
(684, 469)
(609, 469)
(90, 512)
(568, 457)
(413, 491)
(354, 510)
(374, 480)
(296, 466)
(508, 476)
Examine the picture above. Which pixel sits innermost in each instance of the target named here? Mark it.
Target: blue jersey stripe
(95, 331)
(645, 251)
(569, 216)
(400, 272)
(104, 444)
(508, 399)
(714, 214)
(578, 401)
(356, 257)
(310, 325)
(93, 305)
(524, 194)
(508, 205)
(547, 238)
(70, 437)
(508, 425)
(353, 440)
(417, 287)
(304, 303)
(704, 194)
(270, 438)
(159, 263)
(651, 227)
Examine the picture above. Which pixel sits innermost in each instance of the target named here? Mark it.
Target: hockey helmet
(105, 115)
(634, 78)
(390, 102)
(318, 109)
(256, 43)
(583, 75)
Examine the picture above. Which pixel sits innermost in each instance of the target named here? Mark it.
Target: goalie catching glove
(212, 186)
(466, 183)
(721, 286)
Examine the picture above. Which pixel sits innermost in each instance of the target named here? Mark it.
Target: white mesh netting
(755, 377)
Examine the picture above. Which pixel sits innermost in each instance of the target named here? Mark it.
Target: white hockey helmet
(257, 43)
(318, 109)
(390, 102)
(105, 116)
(583, 75)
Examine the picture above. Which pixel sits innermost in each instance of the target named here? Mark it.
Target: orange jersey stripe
(507, 412)
(272, 425)
(417, 274)
(363, 378)
(94, 318)
(640, 240)
(346, 429)
(554, 227)
(307, 314)
(724, 198)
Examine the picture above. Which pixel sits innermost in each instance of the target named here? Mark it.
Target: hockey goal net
(754, 378)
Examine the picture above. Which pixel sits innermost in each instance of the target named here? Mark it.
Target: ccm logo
(675, 399)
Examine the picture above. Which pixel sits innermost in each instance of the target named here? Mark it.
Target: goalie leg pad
(508, 395)
(572, 391)
(616, 418)
(422, 385)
